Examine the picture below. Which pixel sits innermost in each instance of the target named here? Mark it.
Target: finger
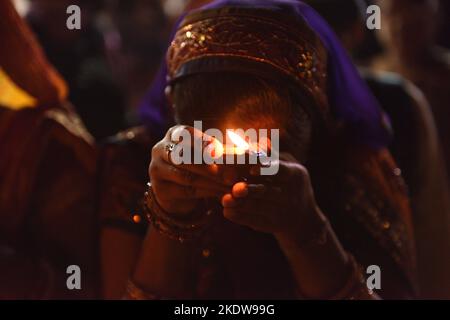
(178, 133)
(258, 191)
(167, 191)
(240, 190)
(210, 172)
(258, 215)
(174, 155)
(253, 220)
(256, 206)
(228, 201)
(288, 172)
(193, 140)
(172, 150)
(167, 172)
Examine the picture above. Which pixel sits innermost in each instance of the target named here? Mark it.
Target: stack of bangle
(356, 287)
(134, 292)
(175, 228)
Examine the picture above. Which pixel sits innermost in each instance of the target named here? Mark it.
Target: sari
(363, 195)
(47, 175)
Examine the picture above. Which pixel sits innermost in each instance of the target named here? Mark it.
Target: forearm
(26, 276)
(321, 267)
(166, 267)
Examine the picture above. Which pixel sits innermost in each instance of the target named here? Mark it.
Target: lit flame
(240, 145)
(215, 149)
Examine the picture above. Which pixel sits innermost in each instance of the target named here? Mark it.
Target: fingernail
(228, 201)
(240, 190)
(213, 169)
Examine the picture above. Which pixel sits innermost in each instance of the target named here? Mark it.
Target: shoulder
(128, 154)
(376, 199)
(39, 148)
(124, 162)
(31, 130)
(411, 120)
(399, 98)
(364, 196)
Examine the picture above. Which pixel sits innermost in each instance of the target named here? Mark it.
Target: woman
(415, 147)
(47, 176)
(337, 203)
(415, 56)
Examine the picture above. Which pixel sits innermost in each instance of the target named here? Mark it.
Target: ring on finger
(169, 148)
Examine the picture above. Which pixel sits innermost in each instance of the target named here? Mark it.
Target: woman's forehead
(230, 122)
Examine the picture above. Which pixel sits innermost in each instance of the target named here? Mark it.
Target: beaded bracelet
(175, 228)
(355, 287)
(134, 292)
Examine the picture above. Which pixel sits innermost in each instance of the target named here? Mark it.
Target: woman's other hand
(283, 206)
(179, 187)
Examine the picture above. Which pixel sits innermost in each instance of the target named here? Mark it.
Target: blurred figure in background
(444, 39)
(408, 35)
(152, 108)
(415, 146)
(47, 175)
(135, 36)
(79, 56)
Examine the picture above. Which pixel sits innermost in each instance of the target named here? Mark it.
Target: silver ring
(169, 148)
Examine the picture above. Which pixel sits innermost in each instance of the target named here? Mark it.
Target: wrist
(175, 227)
(312, 228)
(165, 265)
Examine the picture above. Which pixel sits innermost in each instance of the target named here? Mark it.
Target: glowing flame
(240, 145)
(215, 149)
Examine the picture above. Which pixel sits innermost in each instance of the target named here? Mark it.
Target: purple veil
(350, 100)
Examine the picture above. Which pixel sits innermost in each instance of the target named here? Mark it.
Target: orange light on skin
(240, 145)
(136, 218)
(215, 149)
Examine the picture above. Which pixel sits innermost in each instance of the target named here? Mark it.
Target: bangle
(355, 288)
(175, 228)
(134, 292)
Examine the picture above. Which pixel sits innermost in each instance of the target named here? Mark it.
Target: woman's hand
(178, 188)
(284, 206)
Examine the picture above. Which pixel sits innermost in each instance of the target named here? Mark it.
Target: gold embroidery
(255, 39)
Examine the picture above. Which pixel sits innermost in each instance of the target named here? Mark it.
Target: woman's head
(408, 26)
(281, 40)
(238, 100)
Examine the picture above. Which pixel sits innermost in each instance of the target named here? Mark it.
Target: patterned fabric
(356, 182)
(25, 62)
(244, 35)
(378, 201)
(352, 105)
(124, 164)
(47, 203)
(365, 202)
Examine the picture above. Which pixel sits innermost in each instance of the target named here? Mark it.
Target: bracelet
(176, 229)
(355, 287)
(134, 292)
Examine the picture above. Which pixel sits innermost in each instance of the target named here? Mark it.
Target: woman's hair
(341, 15)
(260, 103)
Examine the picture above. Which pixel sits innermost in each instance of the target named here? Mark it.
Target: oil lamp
(240, 154)
(241, 146)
